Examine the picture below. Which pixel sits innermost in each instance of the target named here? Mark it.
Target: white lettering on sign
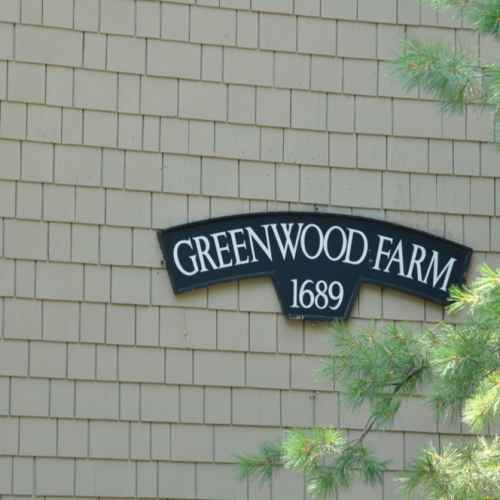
(417, 258)
(326, 242)
(396, 261)
(221, 249)
(380, 250)
(287, 246)
(350, 246)
(203, 252)
(290, 241)
(191, 257)
(445, 272)
(303, 241)
(237, 245)
(265, 247)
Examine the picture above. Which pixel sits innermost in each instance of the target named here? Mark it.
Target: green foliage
(481, 299)
(450, 74)
(483, 14)
(329, 462)
(386, 368)
(261, 464)
(305, 450)
(460, 358)
(484, 406)
(468, 473)
(466, 358)
(446, 4)
(355, 460)
(459, 365)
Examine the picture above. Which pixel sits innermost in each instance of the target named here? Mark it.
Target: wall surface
(120, 117)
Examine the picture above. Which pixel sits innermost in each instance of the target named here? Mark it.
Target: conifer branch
(460, 363)
(453, 76)
(483, 14)
(372, 420)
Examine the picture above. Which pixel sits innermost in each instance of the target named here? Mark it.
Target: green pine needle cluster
(386, 367)
(453, 77)
(484, 406)
(262, 464)
(483, 14)
(305, 450)
(327, 459)
(450, 74)
(471, 472)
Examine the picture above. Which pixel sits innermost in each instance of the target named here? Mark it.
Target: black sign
(317, 261)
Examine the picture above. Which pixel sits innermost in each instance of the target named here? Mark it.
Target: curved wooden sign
(317, 261)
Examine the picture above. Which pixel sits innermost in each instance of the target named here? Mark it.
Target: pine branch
(372, 420)
(484, 405)
(453, 77)
(446, 4)
(378, 368)
(305, 450)
(468, 473)
(381, 368)
(323, 454)
(261, 464)
(483, 14)
(463, 357)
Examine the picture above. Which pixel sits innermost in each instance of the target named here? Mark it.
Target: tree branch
(399, 385)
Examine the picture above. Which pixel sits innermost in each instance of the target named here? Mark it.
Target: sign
(317, 261)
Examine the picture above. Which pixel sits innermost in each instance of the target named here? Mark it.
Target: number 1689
(319, 294)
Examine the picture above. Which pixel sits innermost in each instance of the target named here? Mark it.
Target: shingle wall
(120, 117)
